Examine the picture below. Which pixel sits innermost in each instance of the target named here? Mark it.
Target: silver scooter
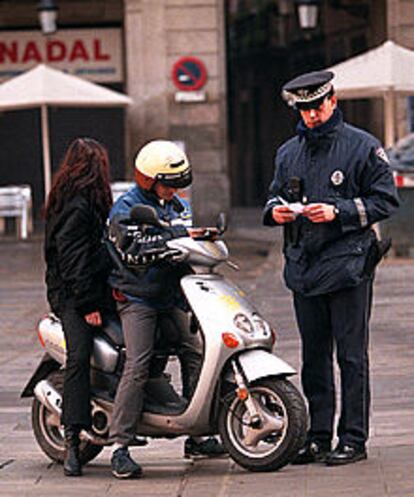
(242, 393)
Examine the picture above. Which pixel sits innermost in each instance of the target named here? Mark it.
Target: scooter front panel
(213, 299)
(216, 303)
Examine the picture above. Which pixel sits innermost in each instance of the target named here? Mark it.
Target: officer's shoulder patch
(380, 152)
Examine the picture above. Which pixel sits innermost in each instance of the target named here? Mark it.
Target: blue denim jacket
(157, 286)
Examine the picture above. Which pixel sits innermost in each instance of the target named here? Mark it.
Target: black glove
(122, 232)
(176, 231)
(138, 245)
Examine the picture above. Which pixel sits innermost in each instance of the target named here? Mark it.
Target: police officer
(332, 182)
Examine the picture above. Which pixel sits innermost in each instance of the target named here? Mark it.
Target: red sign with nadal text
(95, 54)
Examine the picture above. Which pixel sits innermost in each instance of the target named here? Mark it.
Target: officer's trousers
(339, 319)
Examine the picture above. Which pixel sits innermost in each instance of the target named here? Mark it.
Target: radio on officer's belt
(295, 189)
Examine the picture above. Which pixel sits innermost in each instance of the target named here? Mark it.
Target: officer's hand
(282, 214)
(319, 213)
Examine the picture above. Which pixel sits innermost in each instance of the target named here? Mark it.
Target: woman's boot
(71, 463)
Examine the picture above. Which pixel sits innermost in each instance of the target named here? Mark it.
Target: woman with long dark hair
(77, 269)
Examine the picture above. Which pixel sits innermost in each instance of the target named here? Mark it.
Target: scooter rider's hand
(203, 233)
(320, 213)
(94, 318)
(282, 214)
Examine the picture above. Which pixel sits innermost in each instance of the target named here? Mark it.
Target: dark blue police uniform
(330, 266)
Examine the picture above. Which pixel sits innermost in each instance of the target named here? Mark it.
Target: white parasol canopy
(385, 71)
(44, 86)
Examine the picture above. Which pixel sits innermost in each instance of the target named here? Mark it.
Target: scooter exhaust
(47, 394)
(49, 397)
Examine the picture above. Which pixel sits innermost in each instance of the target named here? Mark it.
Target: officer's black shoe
(210, 447)
(312, 451)
(346, 454)
(123, 466)
(71, 462)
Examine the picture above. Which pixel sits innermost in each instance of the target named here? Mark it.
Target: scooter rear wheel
(282, 430)
(49, 432)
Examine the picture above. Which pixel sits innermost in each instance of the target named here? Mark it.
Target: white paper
(296, 207)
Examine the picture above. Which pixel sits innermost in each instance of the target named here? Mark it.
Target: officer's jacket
(337, 164)
(157, 284)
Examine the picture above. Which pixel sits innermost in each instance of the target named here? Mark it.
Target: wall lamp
(47, 11)
(308, 11)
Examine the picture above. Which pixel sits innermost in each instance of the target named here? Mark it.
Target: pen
(282, 201)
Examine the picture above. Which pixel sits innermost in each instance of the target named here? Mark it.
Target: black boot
(71, 463)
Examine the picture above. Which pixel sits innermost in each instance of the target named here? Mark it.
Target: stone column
(145, 71)
(157, 34)
(197, 29)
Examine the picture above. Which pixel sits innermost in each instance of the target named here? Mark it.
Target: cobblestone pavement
(389, 471)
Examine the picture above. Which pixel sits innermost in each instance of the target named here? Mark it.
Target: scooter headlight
(243, 323)
(261, 326)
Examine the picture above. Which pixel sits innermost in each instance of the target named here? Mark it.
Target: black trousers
(338, 319)
(76, 387)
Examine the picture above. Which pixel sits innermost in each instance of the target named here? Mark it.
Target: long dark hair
(84, 169)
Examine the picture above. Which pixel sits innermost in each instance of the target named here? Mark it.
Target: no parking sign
(189, 74)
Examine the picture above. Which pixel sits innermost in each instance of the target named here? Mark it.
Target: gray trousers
(139, 324)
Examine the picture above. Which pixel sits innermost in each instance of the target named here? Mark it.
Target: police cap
(308, 90)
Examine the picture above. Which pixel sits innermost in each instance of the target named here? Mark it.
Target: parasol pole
(389, 119)
(47, 169)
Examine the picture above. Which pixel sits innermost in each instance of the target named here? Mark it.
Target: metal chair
(16, 202)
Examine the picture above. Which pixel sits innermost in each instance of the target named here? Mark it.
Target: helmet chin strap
(151, 191)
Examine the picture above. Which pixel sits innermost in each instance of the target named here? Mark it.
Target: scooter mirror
(221, 223)
(145, 214)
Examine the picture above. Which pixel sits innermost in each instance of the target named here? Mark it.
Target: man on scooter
(145, 290)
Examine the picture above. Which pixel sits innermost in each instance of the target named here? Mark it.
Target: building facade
(205, 73)
(155, 36)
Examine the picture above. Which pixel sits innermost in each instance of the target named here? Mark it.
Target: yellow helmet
(163, 161)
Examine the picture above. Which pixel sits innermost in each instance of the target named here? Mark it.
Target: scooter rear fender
(45, 367)
(261, 364)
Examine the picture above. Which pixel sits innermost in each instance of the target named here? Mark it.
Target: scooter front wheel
(272, 442)
(49, 432)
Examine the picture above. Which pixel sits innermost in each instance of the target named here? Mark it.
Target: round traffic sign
(189, 74)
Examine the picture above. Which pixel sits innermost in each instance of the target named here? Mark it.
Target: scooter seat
(113, 330)
(166, 337)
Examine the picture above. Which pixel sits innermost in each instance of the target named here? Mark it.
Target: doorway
(265, 48)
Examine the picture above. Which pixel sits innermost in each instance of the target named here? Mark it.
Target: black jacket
(77, 261)
(341, 165)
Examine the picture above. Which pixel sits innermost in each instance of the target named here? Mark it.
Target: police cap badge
(308, 90)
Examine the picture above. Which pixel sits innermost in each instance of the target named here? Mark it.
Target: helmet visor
(177, 180)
